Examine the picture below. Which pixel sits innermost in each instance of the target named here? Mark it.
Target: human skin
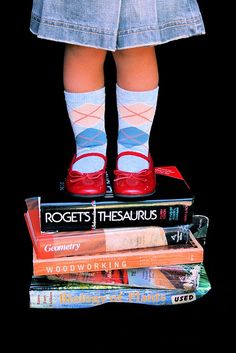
(137, 68)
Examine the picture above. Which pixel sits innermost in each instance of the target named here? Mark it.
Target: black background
(40, 146)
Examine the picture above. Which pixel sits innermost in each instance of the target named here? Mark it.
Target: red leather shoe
(128, 184)
(86, 184)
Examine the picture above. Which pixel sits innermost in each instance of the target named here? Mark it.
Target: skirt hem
(91, 37)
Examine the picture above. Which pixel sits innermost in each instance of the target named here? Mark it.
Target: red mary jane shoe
(128, 184)
(86, 184)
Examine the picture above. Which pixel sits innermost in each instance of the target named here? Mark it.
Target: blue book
(45, 293)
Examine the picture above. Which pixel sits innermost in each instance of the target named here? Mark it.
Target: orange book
(192, 252)
(87, 242)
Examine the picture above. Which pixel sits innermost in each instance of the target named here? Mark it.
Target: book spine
(174, 277)
(63, 218)
(51, 295)
(62, 298)
(109, 240)
(119, 260)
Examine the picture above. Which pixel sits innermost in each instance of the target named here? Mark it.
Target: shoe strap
(133, 153)
(91, 154)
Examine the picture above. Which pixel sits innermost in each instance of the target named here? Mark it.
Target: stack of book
(147, 251)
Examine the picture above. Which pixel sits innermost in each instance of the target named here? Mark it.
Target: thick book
(170, 205)
(192, 252)
(50, 294)
(199, 228)
(163, 277)
(71, 243)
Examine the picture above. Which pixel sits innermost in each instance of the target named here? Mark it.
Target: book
(50, 294)
(71, 243)
(170, 205)
(199, 228)
(192, 252)
(163, 277)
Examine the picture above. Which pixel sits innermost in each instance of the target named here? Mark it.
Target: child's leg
(83, 68)
(85, 99)
(137, 91)
(137, 69)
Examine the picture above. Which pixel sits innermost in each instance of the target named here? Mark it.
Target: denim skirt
(116, 24)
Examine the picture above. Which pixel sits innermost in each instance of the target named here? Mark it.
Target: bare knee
(86, 53)
(137, 68)
(133, 53)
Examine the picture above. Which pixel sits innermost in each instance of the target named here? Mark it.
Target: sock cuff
(136, 96)
(97, 96)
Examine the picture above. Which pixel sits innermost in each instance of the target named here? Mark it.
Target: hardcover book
(170, 205)
(50, 294)
(163, 277)
(71, 243)
(199, 228)
(191, 252)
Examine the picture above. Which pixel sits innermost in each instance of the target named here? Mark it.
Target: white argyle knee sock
(136, 111)
(86, 113)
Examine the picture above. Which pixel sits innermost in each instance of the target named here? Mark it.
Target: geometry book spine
(94, 216)
(109, 240)
(158, 256)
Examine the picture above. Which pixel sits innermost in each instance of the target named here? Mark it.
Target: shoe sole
(135, 196)
(86, 196)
